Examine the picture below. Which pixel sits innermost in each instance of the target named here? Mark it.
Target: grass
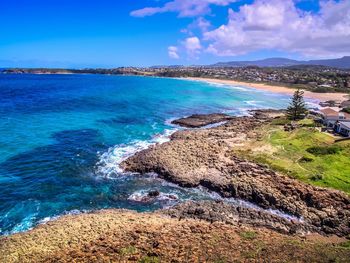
(248, 235)
(345, 244)
(305, 153)
(128, 251)
(148, 259)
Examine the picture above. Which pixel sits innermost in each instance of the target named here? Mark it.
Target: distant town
(313, 78)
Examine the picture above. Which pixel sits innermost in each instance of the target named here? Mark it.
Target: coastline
(276, 89)
(194, 158)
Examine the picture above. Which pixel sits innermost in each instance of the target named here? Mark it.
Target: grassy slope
(287, 148)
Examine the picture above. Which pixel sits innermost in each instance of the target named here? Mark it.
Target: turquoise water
(62, 137)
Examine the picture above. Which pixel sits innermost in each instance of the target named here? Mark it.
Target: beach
(277, 89)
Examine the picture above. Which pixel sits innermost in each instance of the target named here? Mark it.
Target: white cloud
(185, 8)
(280, 25)
(173, 52)
(192, 46)
(277, 25)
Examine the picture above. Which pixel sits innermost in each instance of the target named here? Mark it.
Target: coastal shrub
(305, 159)
(307, 122)
(345, 244)
(347, 110)
(248, 235)
(324, 150)
(280, 121)
(127, 251)
(148, 259)
(316, 177)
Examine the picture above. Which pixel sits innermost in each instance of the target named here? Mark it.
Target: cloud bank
(280, 25)
(263, 25)
(185, 8)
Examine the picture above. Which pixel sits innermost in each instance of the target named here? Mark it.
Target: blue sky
(111, 33)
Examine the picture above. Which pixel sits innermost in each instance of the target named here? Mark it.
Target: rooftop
(329, 112)
(345, 124)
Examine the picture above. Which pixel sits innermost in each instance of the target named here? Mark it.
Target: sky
(113, 33)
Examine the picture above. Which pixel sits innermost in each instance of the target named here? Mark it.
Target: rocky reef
(204, 158)
(201, 120)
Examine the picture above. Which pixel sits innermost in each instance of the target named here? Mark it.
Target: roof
(345, 124)
(329, 112)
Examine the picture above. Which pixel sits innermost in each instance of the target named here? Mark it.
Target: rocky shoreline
(126, 236)
(202, 231)
(202, 157)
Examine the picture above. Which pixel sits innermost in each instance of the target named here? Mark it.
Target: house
(343, 128)
(331, 116)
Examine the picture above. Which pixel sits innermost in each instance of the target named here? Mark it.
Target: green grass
(345, 244)
(128, 251)
(308, 155)
(147, 259)
(249, 235)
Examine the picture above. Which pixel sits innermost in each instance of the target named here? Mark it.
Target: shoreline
(203, 157)
(195, 158)
(321, 97)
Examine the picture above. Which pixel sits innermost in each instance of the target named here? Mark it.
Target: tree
(297, 108)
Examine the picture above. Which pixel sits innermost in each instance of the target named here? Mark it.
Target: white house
(343, 128)
(331, 117)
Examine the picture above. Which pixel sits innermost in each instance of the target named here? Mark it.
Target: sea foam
(109, 162)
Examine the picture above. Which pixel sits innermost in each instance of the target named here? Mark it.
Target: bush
(127, 251)
(324, 150)
(316, 177)
(345, 244)
(280, 121)
(148, 259)
(248, 235)
(347, 110)
(305, 159)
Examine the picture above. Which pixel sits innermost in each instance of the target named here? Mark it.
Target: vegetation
(345, 244)
(128, 251)
(297, 108)
(304, 153)
(148, 259)
(248, 235)
(347, 110)
(324, 150)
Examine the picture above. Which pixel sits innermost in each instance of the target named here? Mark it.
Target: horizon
(178, 65)
(146, 33)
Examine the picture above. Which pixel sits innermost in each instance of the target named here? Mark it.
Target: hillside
(343, 63)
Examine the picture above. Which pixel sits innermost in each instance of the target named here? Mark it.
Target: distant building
(331, 116)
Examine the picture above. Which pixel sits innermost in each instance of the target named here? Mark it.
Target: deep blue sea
(62, 137)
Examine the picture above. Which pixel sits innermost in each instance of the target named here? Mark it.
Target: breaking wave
(109, 162)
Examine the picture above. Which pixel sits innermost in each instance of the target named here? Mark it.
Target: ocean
(63, 136)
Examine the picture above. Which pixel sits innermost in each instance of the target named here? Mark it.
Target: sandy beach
(278, 89)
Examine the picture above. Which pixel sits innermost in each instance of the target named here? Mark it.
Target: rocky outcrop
(201, 120)
(203, 157)
(219, 211)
